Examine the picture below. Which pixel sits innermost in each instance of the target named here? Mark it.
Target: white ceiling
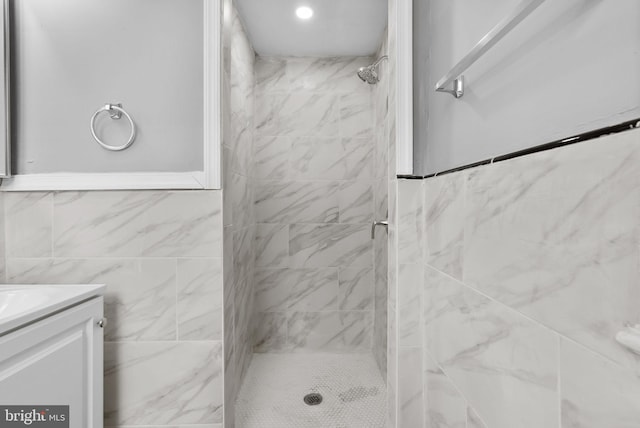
(337, 28)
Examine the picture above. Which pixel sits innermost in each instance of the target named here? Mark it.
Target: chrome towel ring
(115, 112)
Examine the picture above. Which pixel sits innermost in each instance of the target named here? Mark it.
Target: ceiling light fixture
(304, 12)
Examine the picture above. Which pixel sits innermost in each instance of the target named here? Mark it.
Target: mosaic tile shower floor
(354, 392)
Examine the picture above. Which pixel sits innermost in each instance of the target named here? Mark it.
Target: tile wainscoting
(514, 279)
(160, 254)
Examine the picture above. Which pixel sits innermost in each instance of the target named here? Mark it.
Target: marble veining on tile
(410, 387)
(189, 393)
(271, 74)
(326, 74)
(330, 245)
(410, 221)
(270, 332)
(444, 406)
(329, 331)
(314, 201)
(392, 369)
(241, 200)
(410, 298)
(297, 114)
(245, 161)
(444, 223)
(382, 244)
(280, 290)
(356, 289)
(131, 224)
(297, 202)
(272, 157)
(531, 270)
(355, 202)
(199, 299)
(473, 420)
(562, 228)
(495, 355)
(140, 300)
(29, 229)
(272, 245)
(105, 224)
(595, 391)
(322, 158)
(356, 115)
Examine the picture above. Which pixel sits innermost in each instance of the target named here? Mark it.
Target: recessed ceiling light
(304, 12)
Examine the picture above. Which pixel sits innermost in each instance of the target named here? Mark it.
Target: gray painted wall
(73, 56)
(570, 67)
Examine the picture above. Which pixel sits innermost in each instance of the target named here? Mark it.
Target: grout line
(597, 355)
(527, 317)
(449, 379)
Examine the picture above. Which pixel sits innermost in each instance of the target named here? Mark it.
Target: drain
(313, 399)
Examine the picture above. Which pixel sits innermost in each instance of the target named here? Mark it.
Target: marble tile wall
(386, 159)
(3, 241)
(314, 154)
(238, 211)
(160, 254)
(381, 209)
(514, 279)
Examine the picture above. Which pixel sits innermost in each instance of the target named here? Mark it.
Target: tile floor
(354, 393)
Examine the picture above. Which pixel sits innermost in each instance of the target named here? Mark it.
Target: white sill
(104, 181)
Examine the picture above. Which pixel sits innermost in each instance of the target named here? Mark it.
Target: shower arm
(382, 58)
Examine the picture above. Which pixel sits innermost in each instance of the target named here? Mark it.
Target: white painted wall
(570, 67)
(73, 56)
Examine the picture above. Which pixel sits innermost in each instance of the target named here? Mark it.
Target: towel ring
(115, 112)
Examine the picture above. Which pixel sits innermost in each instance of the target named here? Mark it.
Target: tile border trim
(585, 136)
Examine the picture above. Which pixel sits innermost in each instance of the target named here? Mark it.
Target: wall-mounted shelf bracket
(458, 88)
(508, 23)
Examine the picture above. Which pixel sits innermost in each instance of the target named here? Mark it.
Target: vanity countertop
(24, 304)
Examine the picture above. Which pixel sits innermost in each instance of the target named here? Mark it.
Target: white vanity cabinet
(56, 358)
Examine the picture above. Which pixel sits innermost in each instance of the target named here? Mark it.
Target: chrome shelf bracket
(458, 88)
(454, 76)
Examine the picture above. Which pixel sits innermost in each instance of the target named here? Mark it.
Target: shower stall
(306, 175)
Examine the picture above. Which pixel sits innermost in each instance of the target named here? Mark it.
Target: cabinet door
(57, 361)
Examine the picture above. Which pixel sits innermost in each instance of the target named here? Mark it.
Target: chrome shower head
(369, 74)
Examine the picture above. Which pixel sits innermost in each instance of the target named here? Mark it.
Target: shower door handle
(384, 223)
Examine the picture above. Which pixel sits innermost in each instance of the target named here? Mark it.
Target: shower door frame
(208, 178)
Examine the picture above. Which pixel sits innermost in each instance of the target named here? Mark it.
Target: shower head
(369, 74)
